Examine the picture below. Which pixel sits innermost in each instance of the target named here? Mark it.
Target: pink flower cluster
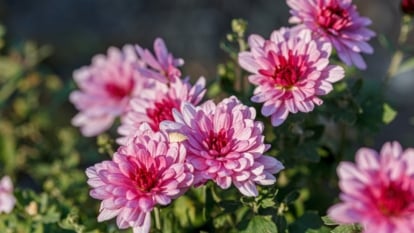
(7, 199)
(108, 85)
(378, 190)
(169, 142)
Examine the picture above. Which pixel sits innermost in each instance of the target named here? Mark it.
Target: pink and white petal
(6, 184)
(247, 188)
(279, 116)
(224, 182)
(344, 213)
(146, 225)
(408, 158)
(334, 73)
(247, 62)
(347, 170)
(107, 214)
(367, 159)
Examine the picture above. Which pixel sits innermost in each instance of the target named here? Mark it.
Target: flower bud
(407, 6)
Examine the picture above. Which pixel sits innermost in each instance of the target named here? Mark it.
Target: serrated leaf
(260, 224)
(389, 114)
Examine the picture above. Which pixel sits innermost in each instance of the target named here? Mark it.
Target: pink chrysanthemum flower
(148, 171)
(157, 104)
(162, 67)
(338, 22)
(7, 199)
(290, 71)
(378, 191)
(225, 145)
(105, 89)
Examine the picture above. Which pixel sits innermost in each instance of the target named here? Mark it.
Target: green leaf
(351, 228)
(7, 152)
(306, 221)
(389, 114)
(281, 223)
(320, 230)
(51, 216)
(260, 224)
(71, 222)
(328, 221)
(267, 202)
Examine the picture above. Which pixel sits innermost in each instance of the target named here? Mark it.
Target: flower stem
(157, 218)
(398, 56)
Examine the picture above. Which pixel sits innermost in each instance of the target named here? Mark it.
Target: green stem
(399, 53)
(157, 218)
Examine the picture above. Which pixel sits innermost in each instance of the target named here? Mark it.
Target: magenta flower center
(394, 199)
(333, 18)
(161, 111)
(117, 91)
(145, 176)
(286, 71)
(217, 143)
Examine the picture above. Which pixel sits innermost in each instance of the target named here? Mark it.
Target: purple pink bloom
(156, 105)
(338, 22)
(106, 87)
(162, 66)
(225, 145)
(290, 70)
(7, 199)
(377, 190)
(150, 170)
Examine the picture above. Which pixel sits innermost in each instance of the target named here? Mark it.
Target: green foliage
(260, 224)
